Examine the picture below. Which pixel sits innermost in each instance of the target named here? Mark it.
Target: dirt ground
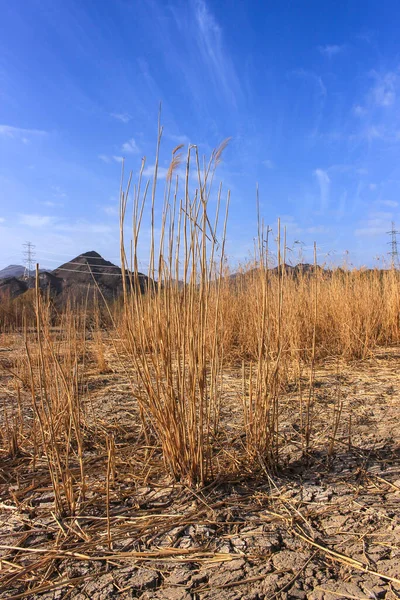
(320, 528)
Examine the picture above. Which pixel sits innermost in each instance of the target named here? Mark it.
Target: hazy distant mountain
(15, 271)
(12, 271)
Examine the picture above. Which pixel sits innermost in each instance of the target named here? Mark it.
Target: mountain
(12, 271)
(92, 271)
(16, 271)
(11, 288)
(79, 280)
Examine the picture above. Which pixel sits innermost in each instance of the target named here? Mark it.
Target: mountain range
(12, 271)
(15, 271)
(76, 280)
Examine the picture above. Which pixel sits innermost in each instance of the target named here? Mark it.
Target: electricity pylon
(29, 255)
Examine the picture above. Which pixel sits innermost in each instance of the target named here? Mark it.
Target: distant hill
(78, 280)
(11, 288)
(12, 271)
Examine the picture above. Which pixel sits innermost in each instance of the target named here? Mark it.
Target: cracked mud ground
(319, 528)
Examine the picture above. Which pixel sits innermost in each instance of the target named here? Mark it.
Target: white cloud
(35, 220)
(210, 42)
(79, 226)
(369, 231)
(324, 186)
(2, 219)
(310, 75)
(149, 172)
(108, 159)
(371, 133)
(377, 223)
(178, 139)
(382, 215)
(269, 164)
(359, 111)
(317, 229)
(111, 210)
(130, 146)
(384, 91)
(389, 203)
(123, 117)
(58, 192)
(19, 133)
(331, 50)
(84, 226)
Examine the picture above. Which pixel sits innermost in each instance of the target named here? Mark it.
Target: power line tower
(394, 252)
(29, 255)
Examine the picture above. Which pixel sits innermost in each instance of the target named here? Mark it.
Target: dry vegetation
(213, 419)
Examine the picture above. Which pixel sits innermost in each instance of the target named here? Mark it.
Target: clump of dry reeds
(55, 387)
(273, 324)
(172, 333)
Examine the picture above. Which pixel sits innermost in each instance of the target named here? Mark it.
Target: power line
(70, 262)
(99, 272)
(89, 272)
(29, 255)
(394, 253)
(79, 255)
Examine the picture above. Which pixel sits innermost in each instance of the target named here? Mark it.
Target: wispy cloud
(123, 117)
(377, 223)
(317, 229)
(331, 50)
(359, 111)
(130, 146)
(324, 187)
(19, 133)
(381, 97)
(385, 89)
(63, 225)
(35, 220)
(179, 139)
(149, 172)
(210, 42)
(111, 210)
(269, 164)
(317, 79)
(2, 219)
(372, 229)
(389, 203)
(84, 226)
(59, 192)
(373, 132)
(109, 159)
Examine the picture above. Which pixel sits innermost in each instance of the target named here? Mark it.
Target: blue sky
(309, 91)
